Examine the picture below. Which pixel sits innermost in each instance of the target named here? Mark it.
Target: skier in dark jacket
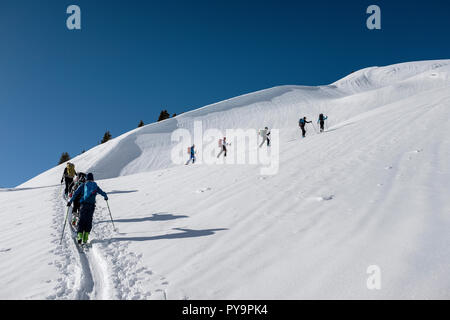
(321, 121)
(88, 192)
(265, 133)
(79, 180)
(302, 123)
(68, 175)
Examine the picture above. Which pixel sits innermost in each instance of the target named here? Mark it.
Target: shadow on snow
(155, 217)
(185, 233)
(119, 191)
(25, 189)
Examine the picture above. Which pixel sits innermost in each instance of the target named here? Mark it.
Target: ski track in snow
(107, 270)
(126, 276)
(68, 265)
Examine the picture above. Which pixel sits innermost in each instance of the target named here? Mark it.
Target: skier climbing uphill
(68, 175)
(88, 192)
(223, 144)
(321, 121)
(265, 133)
(302, 123)
(191, 151)
(79, 180)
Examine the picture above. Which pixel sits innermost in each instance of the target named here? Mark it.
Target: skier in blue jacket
(321, 121)
(192, 154)
(302, 123)
(87, 192)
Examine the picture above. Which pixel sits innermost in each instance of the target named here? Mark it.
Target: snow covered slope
(372, 190)
(148, 148)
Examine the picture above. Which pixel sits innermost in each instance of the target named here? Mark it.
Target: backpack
(71, 170)
(90, 189)
(220, 143)
(81, 177)
(302, 121)
(321, 117)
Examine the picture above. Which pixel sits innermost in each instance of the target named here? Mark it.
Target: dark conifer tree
(64, 157)
(163, 115)
(106, 137)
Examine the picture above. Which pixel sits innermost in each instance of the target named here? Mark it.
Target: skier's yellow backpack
(71, 170)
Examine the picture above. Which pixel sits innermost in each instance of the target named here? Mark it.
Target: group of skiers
(223, 146)
(81, 191)
(264, 133)
(321, 121)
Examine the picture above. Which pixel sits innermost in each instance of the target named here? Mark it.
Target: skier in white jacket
(223, 145)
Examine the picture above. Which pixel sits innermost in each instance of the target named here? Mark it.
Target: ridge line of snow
(146, 148)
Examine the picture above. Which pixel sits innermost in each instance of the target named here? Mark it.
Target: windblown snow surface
(372, 190)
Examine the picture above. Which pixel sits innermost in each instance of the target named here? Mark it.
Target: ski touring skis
(81, 247)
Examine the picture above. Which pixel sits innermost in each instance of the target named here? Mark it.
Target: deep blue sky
(60, 90)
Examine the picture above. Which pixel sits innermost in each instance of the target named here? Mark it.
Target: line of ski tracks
(106, 271)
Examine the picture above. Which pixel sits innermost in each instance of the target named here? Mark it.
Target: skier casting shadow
(88, 191)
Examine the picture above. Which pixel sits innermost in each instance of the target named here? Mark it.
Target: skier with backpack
(68, 175)
(192, 152)
(87, 192)
(265, 133)
(302, 123)
(223, 144)
(321, 121)
(79, 180)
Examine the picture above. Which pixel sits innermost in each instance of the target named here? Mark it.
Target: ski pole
(110, 215)
(64, 227)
